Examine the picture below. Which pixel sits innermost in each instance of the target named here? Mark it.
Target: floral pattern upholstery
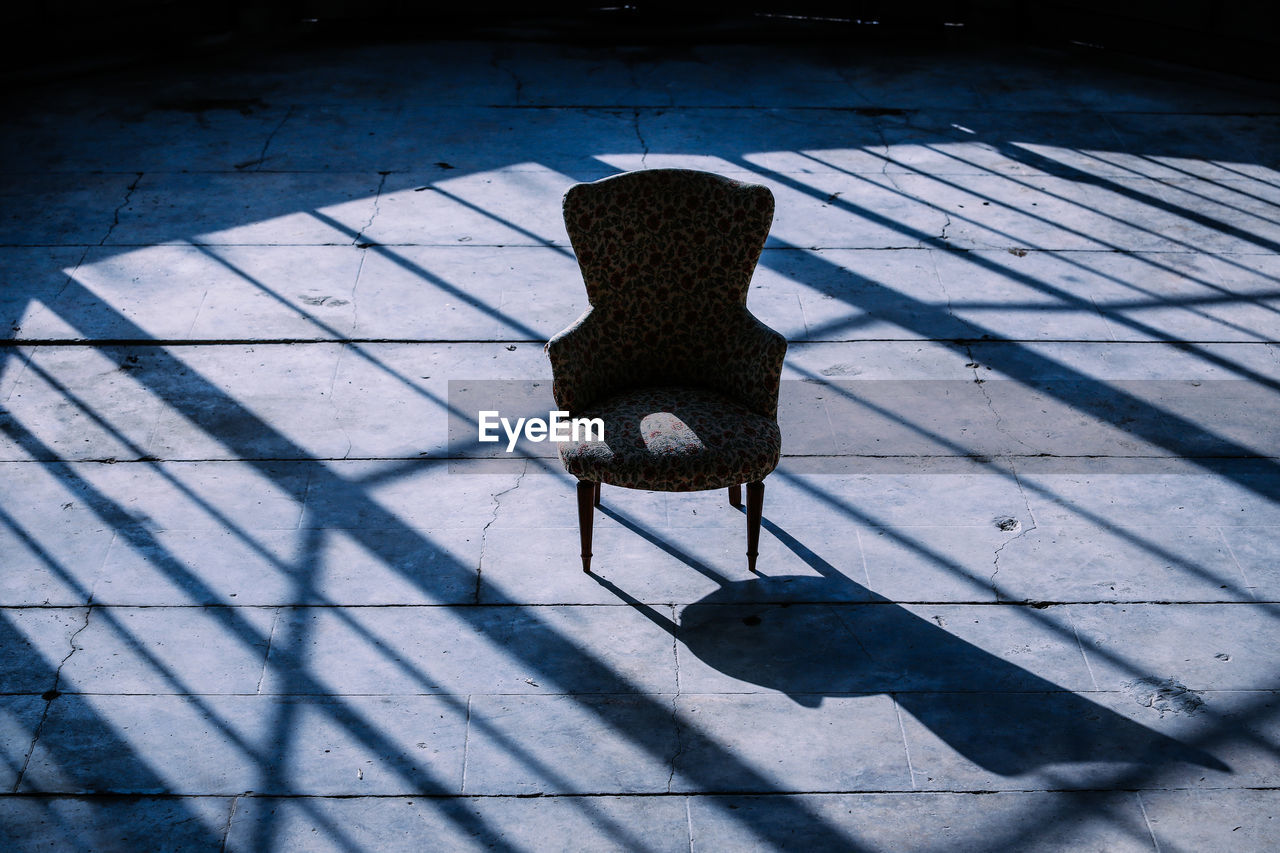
(675, 439)
(684, 376)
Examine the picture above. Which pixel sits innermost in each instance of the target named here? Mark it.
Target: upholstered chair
(684, 378)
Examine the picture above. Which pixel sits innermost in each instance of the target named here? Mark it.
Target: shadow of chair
(823, 636)
(682, 377)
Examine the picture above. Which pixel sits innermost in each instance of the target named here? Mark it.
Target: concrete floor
(1019, 570)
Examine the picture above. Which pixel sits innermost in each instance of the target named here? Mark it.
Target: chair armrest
(751, 368)
(577, 355)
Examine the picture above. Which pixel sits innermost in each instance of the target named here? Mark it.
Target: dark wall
(1229, 36)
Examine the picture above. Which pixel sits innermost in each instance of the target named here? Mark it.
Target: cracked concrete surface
(51, 694)
(644, 147)
(1018, 578)
(484, 531)
(266, 143)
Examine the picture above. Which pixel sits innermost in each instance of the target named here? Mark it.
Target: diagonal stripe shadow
(347, 500)
(937, 242)
(138, 536)
(90, 724)
(1079, 176)
(1090, 396)
(274, 766)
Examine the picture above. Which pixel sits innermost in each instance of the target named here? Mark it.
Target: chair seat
(675, 439)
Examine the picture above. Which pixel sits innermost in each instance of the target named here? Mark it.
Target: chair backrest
(667, 257)
(667, 244)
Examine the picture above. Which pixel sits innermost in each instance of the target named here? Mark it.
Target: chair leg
(755, 509)
(586, 500)
(597, 499)
(735, 495)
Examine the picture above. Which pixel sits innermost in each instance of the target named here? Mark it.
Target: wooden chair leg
(755, 509)
(735, 495)
(597, 499)
(587, 492)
